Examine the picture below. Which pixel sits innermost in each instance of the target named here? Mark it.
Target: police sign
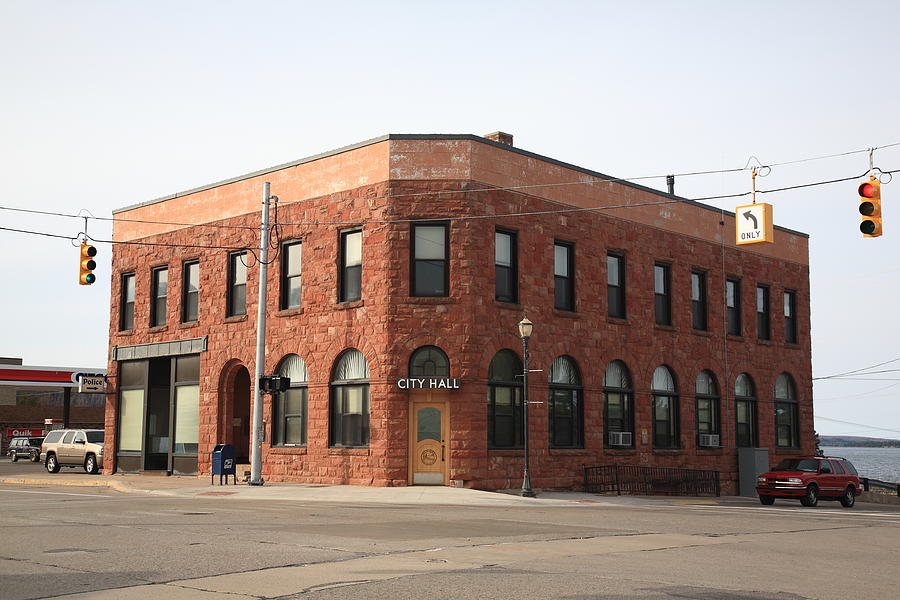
(91, 383)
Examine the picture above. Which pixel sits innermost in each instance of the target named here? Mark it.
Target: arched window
(289, 407)
(505, 401)
(707, 395)
(619, 406)
(429, 361)
(350, 401)
(665, 409)
(566, 423)
(787, 419)
(745, 411)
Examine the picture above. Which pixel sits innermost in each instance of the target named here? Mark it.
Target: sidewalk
(190, 486)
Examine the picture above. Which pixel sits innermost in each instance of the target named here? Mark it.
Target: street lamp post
(525, 329)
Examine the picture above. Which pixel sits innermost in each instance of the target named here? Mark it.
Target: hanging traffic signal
(870, 207)
(87, 265)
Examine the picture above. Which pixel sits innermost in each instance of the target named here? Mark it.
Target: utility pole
(258, 433)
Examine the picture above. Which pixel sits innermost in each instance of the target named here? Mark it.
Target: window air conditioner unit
(619, 438)
(709, 441)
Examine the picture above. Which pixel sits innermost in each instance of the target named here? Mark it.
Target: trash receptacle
(223, 463)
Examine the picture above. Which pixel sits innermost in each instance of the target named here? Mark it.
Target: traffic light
(870, 207)
(87, 265)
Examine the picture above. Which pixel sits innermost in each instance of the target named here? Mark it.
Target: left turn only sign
(753, 224)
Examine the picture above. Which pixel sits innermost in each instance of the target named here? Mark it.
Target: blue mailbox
(223, 463)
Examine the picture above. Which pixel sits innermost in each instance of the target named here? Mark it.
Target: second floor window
(662, 294)
(190, 295)
(159, 296)
(615, 285)
(564, 276)
(430, 275)
(733, 306)
(762, 312)
(126, 310)
(505, 266)
(698, 300)
(237, 284)
(351, 266)
(291, 264)
(790, 318)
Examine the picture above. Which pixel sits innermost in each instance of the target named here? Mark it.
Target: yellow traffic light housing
(87, 264)
(870, 207)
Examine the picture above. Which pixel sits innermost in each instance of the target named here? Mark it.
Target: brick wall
(470, 326)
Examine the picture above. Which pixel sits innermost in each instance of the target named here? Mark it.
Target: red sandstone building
(400, 269)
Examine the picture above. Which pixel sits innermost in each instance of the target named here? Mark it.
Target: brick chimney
(499, 136)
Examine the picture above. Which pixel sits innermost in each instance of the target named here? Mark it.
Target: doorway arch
(240, 415)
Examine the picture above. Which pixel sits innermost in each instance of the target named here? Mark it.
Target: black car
(25, 447)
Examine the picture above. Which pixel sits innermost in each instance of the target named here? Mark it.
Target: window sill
(619, 450)
(783, 450)
(189, 325)
(565, 314)
(287, 450)
(431, 300)
(290, 312)
(792, 345)
(617, 320)
(349, 305)
(710, 449)
(158, 329)
(702, 332)
(734, 338)
(569, 452)
(659, 327)
(235, 319)
(515, 306)
(126, 333)
(355, 451)
(760, 342)
(667, 451)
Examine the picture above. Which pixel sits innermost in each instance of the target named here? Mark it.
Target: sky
(109, 104)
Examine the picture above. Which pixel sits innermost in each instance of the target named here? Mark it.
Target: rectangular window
(566, 430)
(159, 295)
(762, 312)
(131, 420)
(708, 422)
(698, 300)
(506, 266)
(662, 294)
(126, 309)
(665, 422)
(564, 275)
(615, 285)
(190, 294)
(291, 263)
(187, 419)
(790, 319)
(786, 425)
(733, 306)
(290, 417)
(350, 417)
(430, 260)
(351, 266)
(504, 417)
(745, 436)
(237, 284)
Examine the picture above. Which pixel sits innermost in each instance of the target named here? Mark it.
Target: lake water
(875, 463)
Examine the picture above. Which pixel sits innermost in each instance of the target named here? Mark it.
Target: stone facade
(384, 185)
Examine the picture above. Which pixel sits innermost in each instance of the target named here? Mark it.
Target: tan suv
(73, 448)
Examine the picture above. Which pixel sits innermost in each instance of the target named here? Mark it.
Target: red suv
(810, 478)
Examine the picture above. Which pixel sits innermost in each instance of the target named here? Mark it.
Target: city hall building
(399, 269)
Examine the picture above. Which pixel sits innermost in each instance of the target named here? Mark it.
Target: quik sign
(753, 224)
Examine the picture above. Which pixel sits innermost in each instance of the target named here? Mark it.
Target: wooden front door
(429, 425)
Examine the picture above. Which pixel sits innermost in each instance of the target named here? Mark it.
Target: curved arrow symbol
(750, 217)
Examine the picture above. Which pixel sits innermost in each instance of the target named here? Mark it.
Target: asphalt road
(99, 543)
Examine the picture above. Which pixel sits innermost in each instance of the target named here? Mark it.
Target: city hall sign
(428, 383)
